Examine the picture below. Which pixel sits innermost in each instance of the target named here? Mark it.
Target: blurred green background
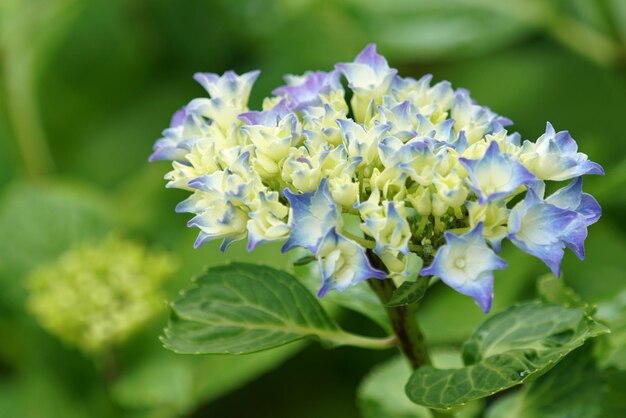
(87, 86)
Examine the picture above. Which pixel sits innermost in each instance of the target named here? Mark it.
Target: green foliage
(41, 395)
(553, 290)
(359, 298)
(47, 220)
(381, 393)
(449, 28)
(162, 380)
(42, 222)
(611, 350)
(576, 387)
(243, 308)
(510, 347)
(409, 292)
(99, 122)
(96, 296)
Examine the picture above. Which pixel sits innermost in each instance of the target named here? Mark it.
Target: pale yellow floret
(391, 182)
(203, 157)
(422, 168)
(270, 102)
(477, 150)
(302, 170)
(432, 102)
(451, 189)
(420, 199)
(181, 175)
(321, 122)
(268, 218)
(336, 99)
(265, 167)
(344, 190)
(494, 216)
(273, 142)
(396, 263)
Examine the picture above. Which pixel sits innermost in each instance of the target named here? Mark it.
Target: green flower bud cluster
(96, 296)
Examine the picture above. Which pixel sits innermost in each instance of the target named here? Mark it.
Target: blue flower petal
(269, 117)
(343, 263)
(555, 156)
(543, 230)
(230, 87)
(466, 264)
(571, 197)
(368, 71)
(313, 215)
(304, 91)
(496, 175)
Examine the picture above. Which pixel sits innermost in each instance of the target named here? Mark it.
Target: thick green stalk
(403, 320)
(410, 339)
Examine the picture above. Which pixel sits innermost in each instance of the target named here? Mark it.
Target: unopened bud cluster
(96, 296)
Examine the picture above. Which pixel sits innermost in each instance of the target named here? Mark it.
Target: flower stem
(346, 338)
(403, 320)
(410, 338)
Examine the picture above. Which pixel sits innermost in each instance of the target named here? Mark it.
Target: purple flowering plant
(387, 185)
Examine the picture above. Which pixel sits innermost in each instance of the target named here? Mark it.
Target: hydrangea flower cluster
(96, 296)
(425, 169)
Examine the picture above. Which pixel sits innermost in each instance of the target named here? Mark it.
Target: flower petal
(343, 263)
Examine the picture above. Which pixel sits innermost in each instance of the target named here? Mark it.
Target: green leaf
(508, 348)
(43, 221)
(244, 308)
(448, 28)
(303, 261)
(163, 379)
(612, 348)
(570, 388)
(408, 293)
(618, 14)
(360, 298)
(551, 289)
(381, 393)
(576, 387)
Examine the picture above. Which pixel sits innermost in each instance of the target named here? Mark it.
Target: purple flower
(269, 117)
(184, 130)
(230, 87)
(343, 263)
(369, 71)
(466, 264)
(555, 156)
(543, 229)
(313, 215)
(571, 197)
(304, 91)
(496, 175)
